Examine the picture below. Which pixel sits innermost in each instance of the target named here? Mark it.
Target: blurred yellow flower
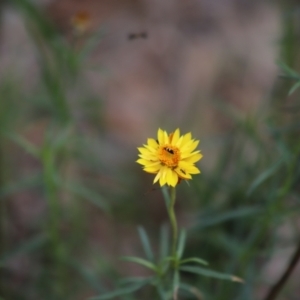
(81, 22)
(171, 157)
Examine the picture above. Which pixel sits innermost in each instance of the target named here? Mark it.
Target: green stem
(57, 248)
(173, 221)
(2, 217)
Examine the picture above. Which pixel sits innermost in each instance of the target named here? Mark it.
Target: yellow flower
(81, 22)
(170, 157)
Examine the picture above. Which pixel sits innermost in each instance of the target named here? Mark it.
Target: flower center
(169, 155)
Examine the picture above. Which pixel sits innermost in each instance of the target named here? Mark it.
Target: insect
(134, 36)
(169, 150)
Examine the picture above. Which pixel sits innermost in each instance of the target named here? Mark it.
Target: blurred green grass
(241, 203)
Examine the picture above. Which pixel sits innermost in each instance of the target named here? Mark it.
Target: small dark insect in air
(169, 150)
(140, 35)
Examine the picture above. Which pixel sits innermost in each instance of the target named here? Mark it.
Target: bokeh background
(84, 83)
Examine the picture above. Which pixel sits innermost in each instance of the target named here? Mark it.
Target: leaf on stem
(161, 292)
(164, 245)
(181, 243)
(122, 291)
(294, 88)
(25, 183)
(176, 283)
(146, 243)
(195, 260)
(192, 290)
(26, 145)
(86, 274)
(211, 273)
(141, 261)
(288, 71)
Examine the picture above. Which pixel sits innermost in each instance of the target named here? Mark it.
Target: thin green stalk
(173, 221)
(57, 250)
(2, 215)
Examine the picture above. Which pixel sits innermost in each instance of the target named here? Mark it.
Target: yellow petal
(172, 178)
(185, 146)
(169, 176)
(191, 157)
(143, 150)
(186, 138)
(148, 163)
(157, 177)
(153, 169)
(142, 161)
(151, 158)
(153, 163)
(166, 138)
(188, 168)
(152, 143)
(175, 137)
(163, 177)
(150, 149)
(193, 170)
(161, 136)
(193, 146)
(146, 152)
(182, 173)
(179, 142)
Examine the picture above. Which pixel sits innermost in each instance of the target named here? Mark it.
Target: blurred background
(84, 83)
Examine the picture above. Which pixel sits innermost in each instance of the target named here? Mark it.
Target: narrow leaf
(87, 194)
(214, 219)
(294, 88)
(264, 176)
(120, 292)
(181, 243)
(141, 261)
(176, 282)
(87, 274)
(26, 145)
(146, 243)
(162, 294)
(22, 184)
(195, 260)
(164, 245)
(131, 280)
(210, 273)
(289, 71)
(192, 290)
